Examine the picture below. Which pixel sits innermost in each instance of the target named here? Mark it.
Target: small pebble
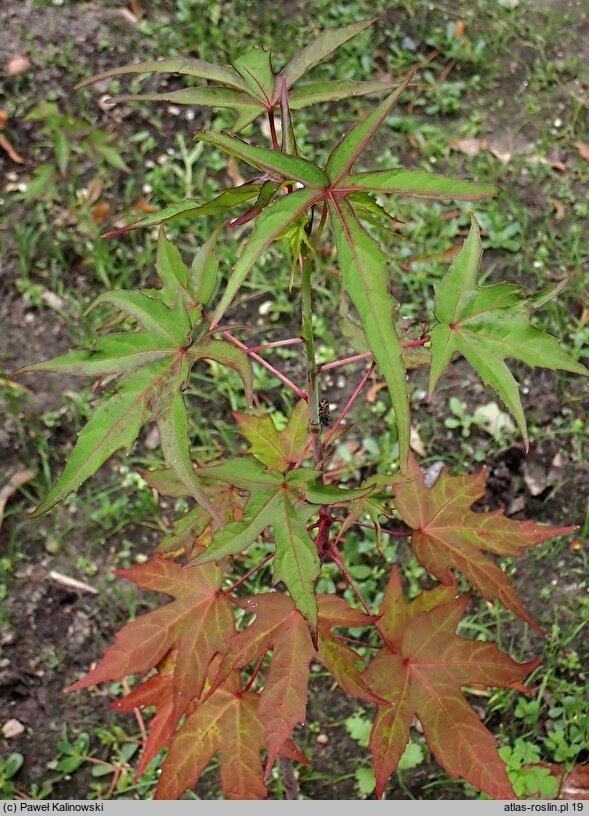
(14, 728)
(322, 739)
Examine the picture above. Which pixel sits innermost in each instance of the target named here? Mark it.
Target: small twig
(72, 583)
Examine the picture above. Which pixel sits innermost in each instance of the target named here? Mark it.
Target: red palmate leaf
(280, 627)
(198, 623)
(448, 534)
(423, 679)
(226, 721)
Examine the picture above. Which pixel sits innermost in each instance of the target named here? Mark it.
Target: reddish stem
(346, 360)
(369, 354)
(138, 716)
(349, 403)
(414, 343)
(273, 133)
(338, 562)
(320, 226)
(256, 670)
(291, 342)
(248, 574)
(382, 529)
(356, 642)
(263, 362)
(301, 458)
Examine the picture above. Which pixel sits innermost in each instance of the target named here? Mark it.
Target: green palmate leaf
(324, 45)
(272, 162)
(487, 324)
(365, 279)
(271, 503)
(174, 65)
(286, 505)
(249, 87)
(417, 183)
(153, 365)
(423, 679)
(274, 448)
(255, 67)
(219, 205)
(316, 92)
(267, 192)
(349, 148)
(204, 270)
(247, 108)
(270, 224)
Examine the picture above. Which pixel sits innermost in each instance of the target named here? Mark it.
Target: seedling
(228, 668)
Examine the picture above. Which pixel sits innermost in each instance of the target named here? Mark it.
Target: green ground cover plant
(221, 680)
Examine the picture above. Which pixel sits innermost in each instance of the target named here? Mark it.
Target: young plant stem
(312, 369)
(273, 133)
(289, 780)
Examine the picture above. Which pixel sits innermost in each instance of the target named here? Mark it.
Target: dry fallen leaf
(459, 29)
(416, 443)
(583, 149)
(18, 65)
(372, 392)
(143, 206)
(9, 149)
(471, 147)
(101, 212)
(3, 118)
(559, 208)
(234, 175)
(8, 490)
(556, 164)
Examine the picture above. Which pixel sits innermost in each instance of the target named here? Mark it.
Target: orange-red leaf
(448, 534)
(226, 721)
(198, 623)
(279, 627)
(423, 679)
